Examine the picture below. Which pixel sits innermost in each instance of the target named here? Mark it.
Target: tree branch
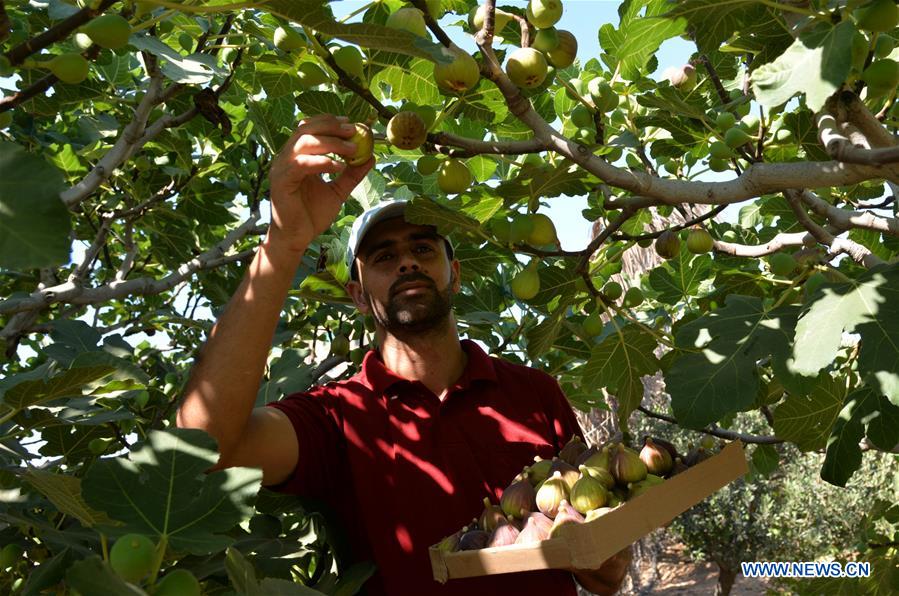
(842, 149)
(846, 219)
(444, 141)
(720, 432)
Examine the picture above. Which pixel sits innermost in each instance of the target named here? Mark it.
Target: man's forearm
(223, 384)
(606, 580)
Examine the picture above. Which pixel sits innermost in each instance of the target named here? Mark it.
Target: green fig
(69, 68)
(518, 499)
(593, 324)
(491, 517)
(178, 582)
(427, 164)
(550, 495)
(882, 77)
(720, 150)
(699, 241)
(588, 493)
(543, 231)
(782, 264)
(633, 297)
(364, 145)
(458, 76)
(526, 284)
(539, 470)
(453, 176)
(564, 54)
(725, 120)
(287, 39)
(736, 137)
(108, 31)
(682, 78)
(407, 130)
(544, 13)
(626, 466)
(526, 67)
(408, 19)
(500, 19)
(546, 40)
(132, 557)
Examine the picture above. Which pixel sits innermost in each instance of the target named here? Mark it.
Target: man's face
(406, 280)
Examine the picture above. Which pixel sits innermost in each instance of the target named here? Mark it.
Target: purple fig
(504, 535)
(567, 515)
(657, 459)
(672, 450)
(473, 540)
(696, 455)
(626, 466)
(553, 491)
(572, 449)
(491, 517)
(536, 528)
(518, 498)
(678, 467)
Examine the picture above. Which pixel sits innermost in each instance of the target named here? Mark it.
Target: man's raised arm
(221, 392)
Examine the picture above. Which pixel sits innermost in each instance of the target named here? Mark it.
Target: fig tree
(880, 16)
(520, 228)
(593, 324)
(132, 557)
(476, 18)
(725, 120)
(716, 164)
(604, 98)
(428, 113)
(350, 60)
(668, 245)
(453, 176)
(546, 39)
(340, 345)
(699, 241)
(458, 76)
(435, 8)
(884, 46)
(781, 264)
(287, 39)
(581, 116)
(178, 582)
(311, 74)
(565, 53)
(108, 31)
(364, 145)
(720, 150)
(427, 164)
(526, 67)
(406, 130)
(633, 297)
(10, 555)
(544, 13)
(83, 41)
(736, 137)
(882, 76)
(408, 19)
(543, 231)
(681, 77)
(526, 284)
(612, 290)
(69, 68)
(5, 119)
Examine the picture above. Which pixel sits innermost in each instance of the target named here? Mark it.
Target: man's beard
(419, 313)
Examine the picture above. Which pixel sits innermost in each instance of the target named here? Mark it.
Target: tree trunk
(726, 579)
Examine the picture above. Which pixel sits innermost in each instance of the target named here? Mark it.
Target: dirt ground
(679, 576)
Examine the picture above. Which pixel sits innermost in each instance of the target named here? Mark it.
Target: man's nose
(408, 263)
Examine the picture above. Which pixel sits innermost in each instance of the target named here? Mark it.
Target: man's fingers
(344, 184)
(320, 145)
(305, 165)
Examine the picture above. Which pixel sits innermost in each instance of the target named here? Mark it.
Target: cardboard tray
(586, 546)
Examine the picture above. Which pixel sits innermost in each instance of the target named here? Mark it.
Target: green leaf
(619, 363)
(712, 22)
(65, 492)
(287, 374)
(764, 459)
(313, 14)
(69, 383)
(276, 77)
(808, 419)
(324, 287)
(540, 338)
(414, 82)
(677, 279)
(196, 69)
(642, 38)
(93, 576)
(717, 373)
(868, 306)
(48, 573)
(313, 102)
(843, 453)
(816, 64)
(34, 222)
(162, 489)
(426, 211)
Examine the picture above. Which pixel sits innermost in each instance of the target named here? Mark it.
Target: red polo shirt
(403, 469)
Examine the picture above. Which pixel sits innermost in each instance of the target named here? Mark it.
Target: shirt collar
(378, 378)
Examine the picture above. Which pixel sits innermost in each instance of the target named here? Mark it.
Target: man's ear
(354, 288)
(457, 277)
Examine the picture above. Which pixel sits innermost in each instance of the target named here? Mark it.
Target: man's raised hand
(304, 205)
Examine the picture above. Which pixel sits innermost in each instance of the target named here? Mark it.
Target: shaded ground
(679, 576)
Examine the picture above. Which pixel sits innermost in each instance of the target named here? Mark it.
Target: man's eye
(424, 248)
(382, 257)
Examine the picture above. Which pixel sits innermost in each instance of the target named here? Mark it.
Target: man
(405, 450)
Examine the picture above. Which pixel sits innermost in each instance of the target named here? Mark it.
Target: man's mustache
(412, 278)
